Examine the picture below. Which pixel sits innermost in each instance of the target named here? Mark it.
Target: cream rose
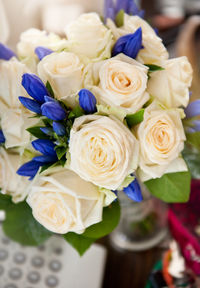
(154, 51)
(64, 71)
(121, 82)
(63, 202)
(171, 85)
(161, 137)
(11, 183)
(89, 37)
(103, 150)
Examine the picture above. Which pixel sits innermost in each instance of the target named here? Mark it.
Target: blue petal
(196, 124)
(41, 52)
(193, 109)
(133, 191)
(45, 159)
(29, 169)
(109, 10)
(49, 99)
(53, 111)
(87, 101)
(129, 44)
(133, 9)
(34, 87)
(6, 53)
(45, 147)
(59, 128)
(2, 137)
(47, 130)
(32, 105)
(121, 5)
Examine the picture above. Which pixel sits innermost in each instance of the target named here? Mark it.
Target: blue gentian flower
(53, 111)
(133, 191)
(34, 87)
(109, 10)
(6, 53)
(49, 99)
(32, 105)
(59, 128)
(87, 101)
(45, 159)
(193, 109)
(47, 130)
(29, 169)
(44, 146)
(2, 137)
(41, 52)
(129, 44)
(132, 9)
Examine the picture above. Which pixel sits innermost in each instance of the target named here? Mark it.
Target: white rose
(89, 37)
(11, 183)
(64, 72)
(154, 52)
(171, 85)
(122, 83)
(161, 137)
(63, 202)
(32, 38)
(103, 150)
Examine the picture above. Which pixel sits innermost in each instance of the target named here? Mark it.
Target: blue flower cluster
(6, 53)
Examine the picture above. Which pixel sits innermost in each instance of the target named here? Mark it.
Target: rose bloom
(10, 182)
(161, 137)
(63, 202)
(89, 38)
(103, 150)
(14, 117)
(176, 78)
(120, 82)
(64, 71)
(154, 52)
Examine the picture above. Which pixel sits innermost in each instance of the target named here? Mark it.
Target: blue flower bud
(29, 169)
(129, 44)
(133, 191)
(41, 52)
(132, 9)
(121, 5)
(109, 10)
(2, 137)
(193, 109)
(6, 53)
(87, 101)
(32, 105)
(44, 146)
(59, 128)
(44, 159)
(34, 87)
(49, 99)
(53, 111)
(47, 130)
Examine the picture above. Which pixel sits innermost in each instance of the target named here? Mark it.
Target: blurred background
(178, 24)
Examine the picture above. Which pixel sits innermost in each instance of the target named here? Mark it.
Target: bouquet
(87, 117)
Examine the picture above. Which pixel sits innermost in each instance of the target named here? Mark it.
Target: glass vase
(142, 225)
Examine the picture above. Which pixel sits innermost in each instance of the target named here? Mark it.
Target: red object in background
(184, 222)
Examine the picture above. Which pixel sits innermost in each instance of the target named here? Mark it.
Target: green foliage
(49, 88)
(172, 187)
(20, 225)
(76, 112)
(194, 139)
(35, 131)
(154, 68)
(134, 119)
(111, 217)
(119, 20)
(192, 158)
(60, 151)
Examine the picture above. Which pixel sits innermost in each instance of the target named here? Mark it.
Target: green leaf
(111, 217)
(194, 139)
(49, 88)
(134, 119)
(79, 242)
(35, 131)
(192, 158)
(76, 112)
(5, 202)
(172, 187)
(153, 68)
(60, 151)
(20, 226)
(119, 19)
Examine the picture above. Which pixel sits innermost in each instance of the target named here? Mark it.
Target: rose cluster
(104, 108)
